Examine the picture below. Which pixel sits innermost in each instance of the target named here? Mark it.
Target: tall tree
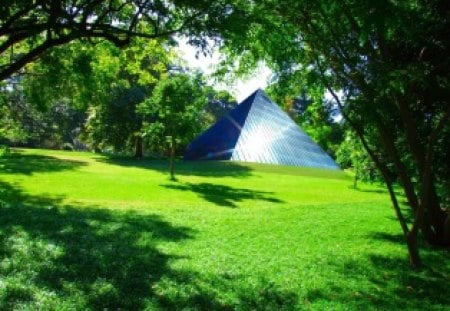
(387, 66)
(113, 121)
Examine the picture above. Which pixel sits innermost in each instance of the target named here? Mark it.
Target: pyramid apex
(254, 94)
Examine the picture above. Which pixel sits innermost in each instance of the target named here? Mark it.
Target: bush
(4, 150)
(67, 146)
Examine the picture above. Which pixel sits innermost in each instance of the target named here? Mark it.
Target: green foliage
(4, 150)
(173, 110)
(29, 29)
(113, 123)
(94, 106)
(219, 104)
(112, 233)
(23, 124)
(67, 147)
(127, 77)
(16, 117)
(318, 123)
(351, 154)
(102, 82)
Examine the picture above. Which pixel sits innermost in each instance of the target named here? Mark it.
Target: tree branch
(377, 161)
(31, 55)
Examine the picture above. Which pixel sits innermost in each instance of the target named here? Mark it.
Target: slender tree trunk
(172, 158)
(433, 223)
(389, 146)
(138, 147)
(447, 229)
(411, 236)
(413, 249)
(434, 218)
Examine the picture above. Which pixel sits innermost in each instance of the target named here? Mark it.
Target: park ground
(80, 231)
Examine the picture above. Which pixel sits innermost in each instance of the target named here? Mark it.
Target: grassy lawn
(80, 231)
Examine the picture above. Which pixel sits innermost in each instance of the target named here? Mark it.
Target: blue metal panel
(270, 136)
(218, 142)
(259, 131)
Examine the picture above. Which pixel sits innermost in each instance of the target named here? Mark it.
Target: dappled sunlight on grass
(96, 258)
(81, 232)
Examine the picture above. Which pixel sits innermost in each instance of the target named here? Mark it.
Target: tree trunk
(433, 222)
(447, 229)
(411, 236)
(413, 249)
(138, 147)
(388, 144)
(172, 158)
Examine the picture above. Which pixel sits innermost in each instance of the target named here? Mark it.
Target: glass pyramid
(257, 130)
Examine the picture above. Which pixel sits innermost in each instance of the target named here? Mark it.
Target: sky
(241, 88)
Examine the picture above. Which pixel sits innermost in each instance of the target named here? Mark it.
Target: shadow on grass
(224, 195)
(102, 258)
(359, 189)
(380, 188)
(185, 168)
(390, 282)
(389, 237)
(214, 293)
(27, 164)
(88, 258)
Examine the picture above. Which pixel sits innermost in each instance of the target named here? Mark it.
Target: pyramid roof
(258, 130)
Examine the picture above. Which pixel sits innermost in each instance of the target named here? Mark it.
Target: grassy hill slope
(82, 231)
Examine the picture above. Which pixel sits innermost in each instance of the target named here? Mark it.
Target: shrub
(67, 146)
(4, 150)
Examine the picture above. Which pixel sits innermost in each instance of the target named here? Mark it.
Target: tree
(115, 123)
(30, 28)
(219, 104)
(22, 124)
(173, 113)
(18, 119)
(112, 119)
(351, 154)
(389, 77)
(104, 82)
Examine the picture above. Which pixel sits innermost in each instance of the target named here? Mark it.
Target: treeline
(97, 97)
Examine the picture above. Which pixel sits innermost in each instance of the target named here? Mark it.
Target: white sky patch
(241, 88)
(329, 97)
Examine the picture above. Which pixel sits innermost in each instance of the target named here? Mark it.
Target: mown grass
(87, 232)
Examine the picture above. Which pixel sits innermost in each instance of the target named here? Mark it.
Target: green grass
(80, 231)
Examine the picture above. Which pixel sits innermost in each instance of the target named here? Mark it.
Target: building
(259, 131)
